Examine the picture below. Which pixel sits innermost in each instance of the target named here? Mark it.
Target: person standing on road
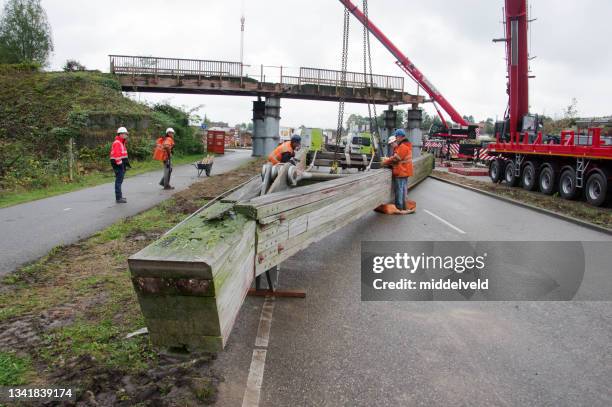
(163, 152)
(285, 152)
(401, 162)
(120, 162)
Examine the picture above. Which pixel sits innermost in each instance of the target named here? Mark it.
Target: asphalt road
(30, 230)
(331, 349)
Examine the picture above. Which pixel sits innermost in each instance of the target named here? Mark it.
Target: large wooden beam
(192, 282)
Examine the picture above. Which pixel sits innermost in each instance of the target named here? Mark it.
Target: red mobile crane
(463, 128)
(567, 164)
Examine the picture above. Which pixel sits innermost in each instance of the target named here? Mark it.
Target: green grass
(103, 341)
(90, 180)
(14, 369)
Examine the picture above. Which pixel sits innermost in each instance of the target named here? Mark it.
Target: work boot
(122, 200)
(168, 188)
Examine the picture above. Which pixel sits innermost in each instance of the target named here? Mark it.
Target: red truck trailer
(574, 163)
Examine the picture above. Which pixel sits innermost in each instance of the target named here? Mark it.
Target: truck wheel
(596, 189)
(547, 181)
(509, 176)
(529, 177)
(495, 170)
(567, 184)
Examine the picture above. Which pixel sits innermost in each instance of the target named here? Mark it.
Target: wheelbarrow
(204, 166)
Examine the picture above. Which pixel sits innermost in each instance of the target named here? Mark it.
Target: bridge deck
(166, 75)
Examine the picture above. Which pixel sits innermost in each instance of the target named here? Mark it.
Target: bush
(27, 67)
(72, 65)
(140, 148)
(185, 138)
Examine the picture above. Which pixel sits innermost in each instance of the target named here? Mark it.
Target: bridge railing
(327, 77)
(176, 67)
(136, 65)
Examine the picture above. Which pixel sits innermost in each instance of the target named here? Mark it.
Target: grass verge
(576, 209)
(64, 319)
(89, 180)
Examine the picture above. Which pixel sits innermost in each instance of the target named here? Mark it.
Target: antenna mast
(242, 20)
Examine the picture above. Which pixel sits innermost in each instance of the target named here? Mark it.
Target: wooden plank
(328, 199)
(246, 193)
(215, 245)
(292, 246)
(282, 202)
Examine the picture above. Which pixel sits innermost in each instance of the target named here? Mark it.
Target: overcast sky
(449, 40)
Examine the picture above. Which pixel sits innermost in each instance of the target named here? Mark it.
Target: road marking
(265, 323)
(255, 380)
(67, 209)
(258, 361)
(447, 223)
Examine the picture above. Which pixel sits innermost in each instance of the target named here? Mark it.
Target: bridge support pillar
(415, 135)
(272, 124)
(259, 130)
(390, 126)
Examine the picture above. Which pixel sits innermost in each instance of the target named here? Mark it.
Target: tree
(25, 33)
(489, 128)
(571, 112)
(72, 65)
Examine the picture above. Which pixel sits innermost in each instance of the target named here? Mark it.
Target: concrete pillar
(259, 130)
(272, 124)
(415, 135)
(390, 126)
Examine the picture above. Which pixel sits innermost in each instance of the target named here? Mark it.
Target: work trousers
(119, 175)
(400, 188)
(165, 181)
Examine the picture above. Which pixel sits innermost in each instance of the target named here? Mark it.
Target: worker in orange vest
(285, 152)
(120, 162)
(401, 162)
(163, 152)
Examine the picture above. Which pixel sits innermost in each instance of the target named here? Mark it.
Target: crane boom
(406, 64)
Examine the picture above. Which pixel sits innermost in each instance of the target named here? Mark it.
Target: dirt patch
(577, 209)
(191, 199)
(173, 382)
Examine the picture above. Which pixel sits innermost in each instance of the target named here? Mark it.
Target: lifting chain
(344, 62)
(367, 63)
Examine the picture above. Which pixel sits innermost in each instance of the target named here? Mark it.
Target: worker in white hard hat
(163, 152)
(120, 162)
(391, 144)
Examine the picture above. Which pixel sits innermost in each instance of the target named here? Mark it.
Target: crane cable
(344, 62)
(367, 63)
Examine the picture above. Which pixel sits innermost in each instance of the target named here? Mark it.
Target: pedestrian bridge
(193, 76)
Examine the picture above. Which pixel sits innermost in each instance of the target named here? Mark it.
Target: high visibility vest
(276, 156)
(118, 150)
(162, 148)
(401, 160)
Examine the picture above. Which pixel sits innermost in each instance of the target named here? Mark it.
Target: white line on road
(447, 223)
(258, 361)
(255, 380)
(265, 323)
(67, 209)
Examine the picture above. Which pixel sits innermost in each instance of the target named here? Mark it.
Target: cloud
(449, 40)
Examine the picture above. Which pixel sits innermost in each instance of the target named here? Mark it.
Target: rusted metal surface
(172, 286)
(167, 75)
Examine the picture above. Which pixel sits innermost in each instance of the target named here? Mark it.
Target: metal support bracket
(518, 163)
(581, 166)
(271, 291)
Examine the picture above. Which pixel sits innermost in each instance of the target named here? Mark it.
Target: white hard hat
(169, 130)
(122, 130)
(392, 140)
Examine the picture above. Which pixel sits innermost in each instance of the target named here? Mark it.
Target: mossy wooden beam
(192, 282)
